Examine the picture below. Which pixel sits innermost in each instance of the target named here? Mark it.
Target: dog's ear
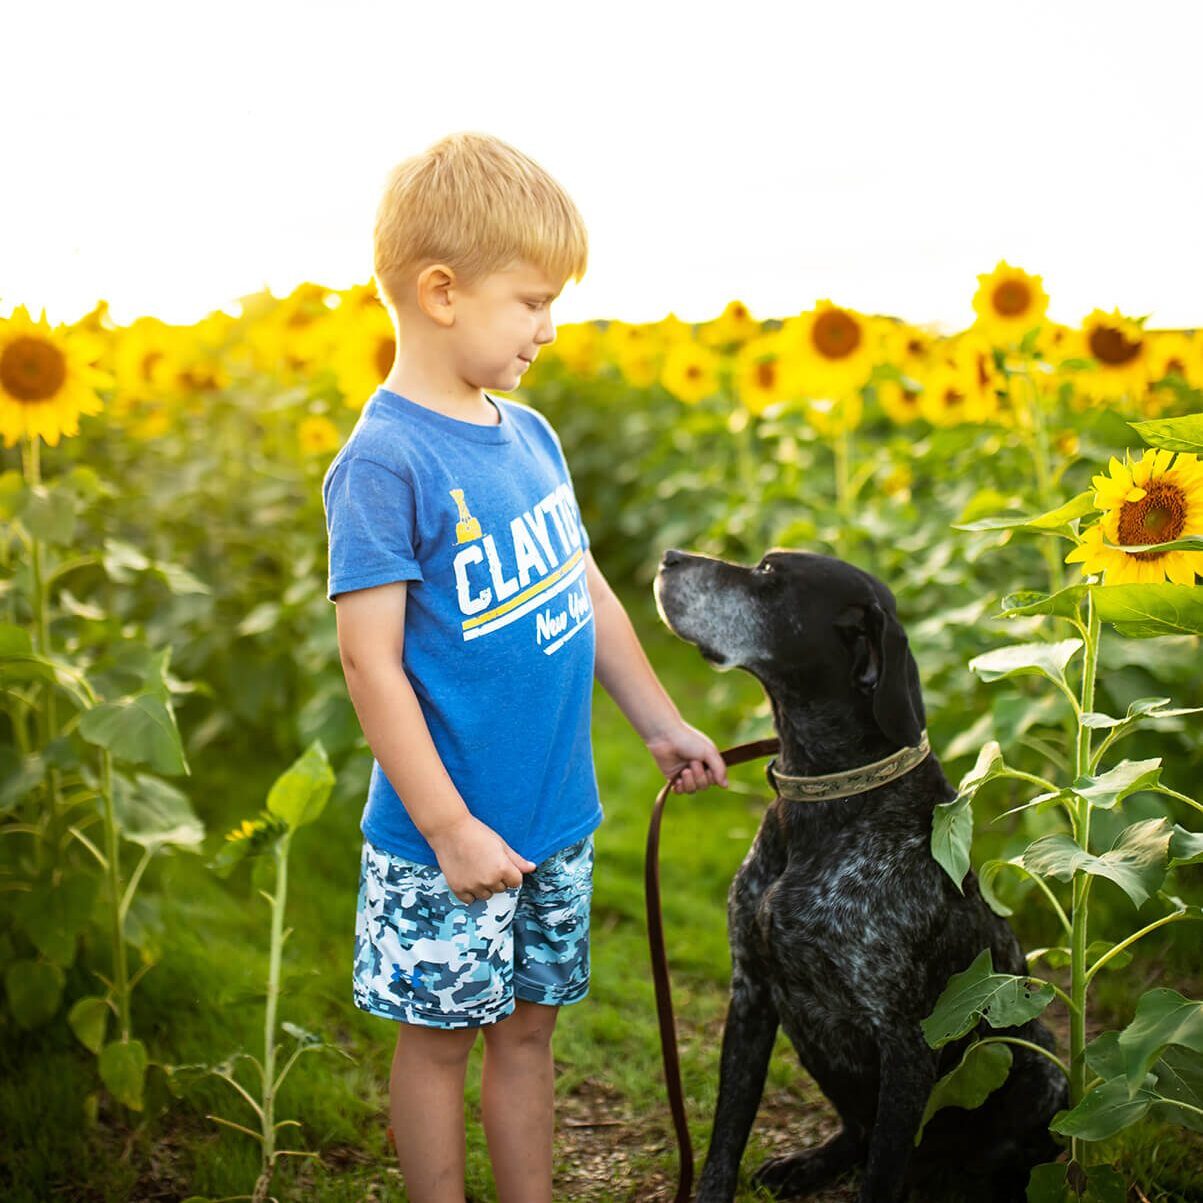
(883, 665)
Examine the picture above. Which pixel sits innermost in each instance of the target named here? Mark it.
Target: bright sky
(171, 158)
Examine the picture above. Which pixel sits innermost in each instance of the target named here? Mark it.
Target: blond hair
(476, 204)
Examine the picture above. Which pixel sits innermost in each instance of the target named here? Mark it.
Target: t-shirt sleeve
(371, 524)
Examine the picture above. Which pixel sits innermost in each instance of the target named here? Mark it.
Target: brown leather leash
(655, 936)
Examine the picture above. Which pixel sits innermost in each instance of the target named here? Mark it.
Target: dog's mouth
(718, 659)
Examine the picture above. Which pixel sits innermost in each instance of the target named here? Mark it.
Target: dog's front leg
(748, 1037)
(908, 1071)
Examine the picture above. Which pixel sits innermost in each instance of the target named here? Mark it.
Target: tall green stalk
(1081, 882)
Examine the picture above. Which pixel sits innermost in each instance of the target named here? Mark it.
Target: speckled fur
(843, 928)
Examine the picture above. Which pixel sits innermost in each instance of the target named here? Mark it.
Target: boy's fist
(477, 862)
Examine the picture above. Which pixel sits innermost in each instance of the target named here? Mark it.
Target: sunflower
(1008, 303)
(760, 375)
(1154, 500)
(734, 326)
(953, 395)
(1171, 353)
(899, 401)
(47, 378)
(578, 346)
(635, 350)
(690, 372)
(316, 435)
(362, 352)
(1119, 347)
(296, 333)
(833, 349)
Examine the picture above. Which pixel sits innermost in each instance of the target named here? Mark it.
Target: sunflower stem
(1079, 978)
(1044, 482)
(843, 496)
(31, 463)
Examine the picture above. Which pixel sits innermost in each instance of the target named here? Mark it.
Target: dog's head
(807, 626)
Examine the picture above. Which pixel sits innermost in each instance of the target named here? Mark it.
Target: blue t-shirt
(499, 641)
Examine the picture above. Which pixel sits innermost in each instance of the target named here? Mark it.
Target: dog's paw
(796, 1174)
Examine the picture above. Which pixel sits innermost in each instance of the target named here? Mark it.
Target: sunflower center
(1012, 297)
(1157, 517)
(1109, 346)
(32, 370)
(693, 371)
(835, 335)
(766, 373)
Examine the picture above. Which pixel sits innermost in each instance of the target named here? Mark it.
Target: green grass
(607, 1050)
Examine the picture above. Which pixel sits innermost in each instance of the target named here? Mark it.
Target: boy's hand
(683, 745)
(476, 861)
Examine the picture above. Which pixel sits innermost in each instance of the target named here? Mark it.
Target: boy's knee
(442, 1046)
(529, 1025)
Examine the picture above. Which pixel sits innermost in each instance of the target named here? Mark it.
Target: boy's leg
(517, 1095)
(426, 1110)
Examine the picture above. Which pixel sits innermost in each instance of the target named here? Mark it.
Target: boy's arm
(475, 860)
(627, 676)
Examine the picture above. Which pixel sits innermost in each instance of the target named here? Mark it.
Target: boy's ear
(436, 286)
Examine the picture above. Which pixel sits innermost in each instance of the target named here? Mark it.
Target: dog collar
(851, 781)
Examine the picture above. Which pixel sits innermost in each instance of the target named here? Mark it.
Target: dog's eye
(765, 566)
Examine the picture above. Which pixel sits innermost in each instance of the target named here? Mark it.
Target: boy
(471, 621)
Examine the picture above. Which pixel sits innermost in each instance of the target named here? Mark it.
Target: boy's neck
(478, 411)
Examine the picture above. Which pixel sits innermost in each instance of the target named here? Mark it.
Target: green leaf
(1162, 1017)
(982, 1070)
(952, 837)
(1147, 611)
(20, 775)
(1179, 1073)
(152, 812)
(139, 730)
(985, 883)
(1174, 434)
(88, 1019)
(1003, 999)
(34, 989)
(1025, 602)
(1172, 1091)
(1055, 521)
(1182, 543)
(1136, 863)
(1104, 1111)
(1116, 784)
(299, 794)
(54, 915)
(123, 1071)
(1050, 1183)
(49, 515)
(1186, 847)
(1024, 659)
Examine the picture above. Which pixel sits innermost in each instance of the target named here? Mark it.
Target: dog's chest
(836, 928)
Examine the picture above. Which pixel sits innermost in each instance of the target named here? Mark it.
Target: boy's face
(502, 321)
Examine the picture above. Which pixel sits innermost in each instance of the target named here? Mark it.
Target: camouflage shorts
(422, 956)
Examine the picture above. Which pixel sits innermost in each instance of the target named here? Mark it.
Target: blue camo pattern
(423, 956)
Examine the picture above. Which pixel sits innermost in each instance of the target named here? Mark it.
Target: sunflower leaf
(1148, 611)
(1183, 543)
(1174, 434)
(1021, 659)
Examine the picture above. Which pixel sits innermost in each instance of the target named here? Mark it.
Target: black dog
(843, 927)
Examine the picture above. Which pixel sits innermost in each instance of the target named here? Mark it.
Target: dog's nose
(671, 556)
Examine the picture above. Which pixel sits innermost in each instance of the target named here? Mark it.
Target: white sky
(171, 157)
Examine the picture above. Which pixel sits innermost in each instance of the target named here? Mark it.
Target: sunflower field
(174, 941)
